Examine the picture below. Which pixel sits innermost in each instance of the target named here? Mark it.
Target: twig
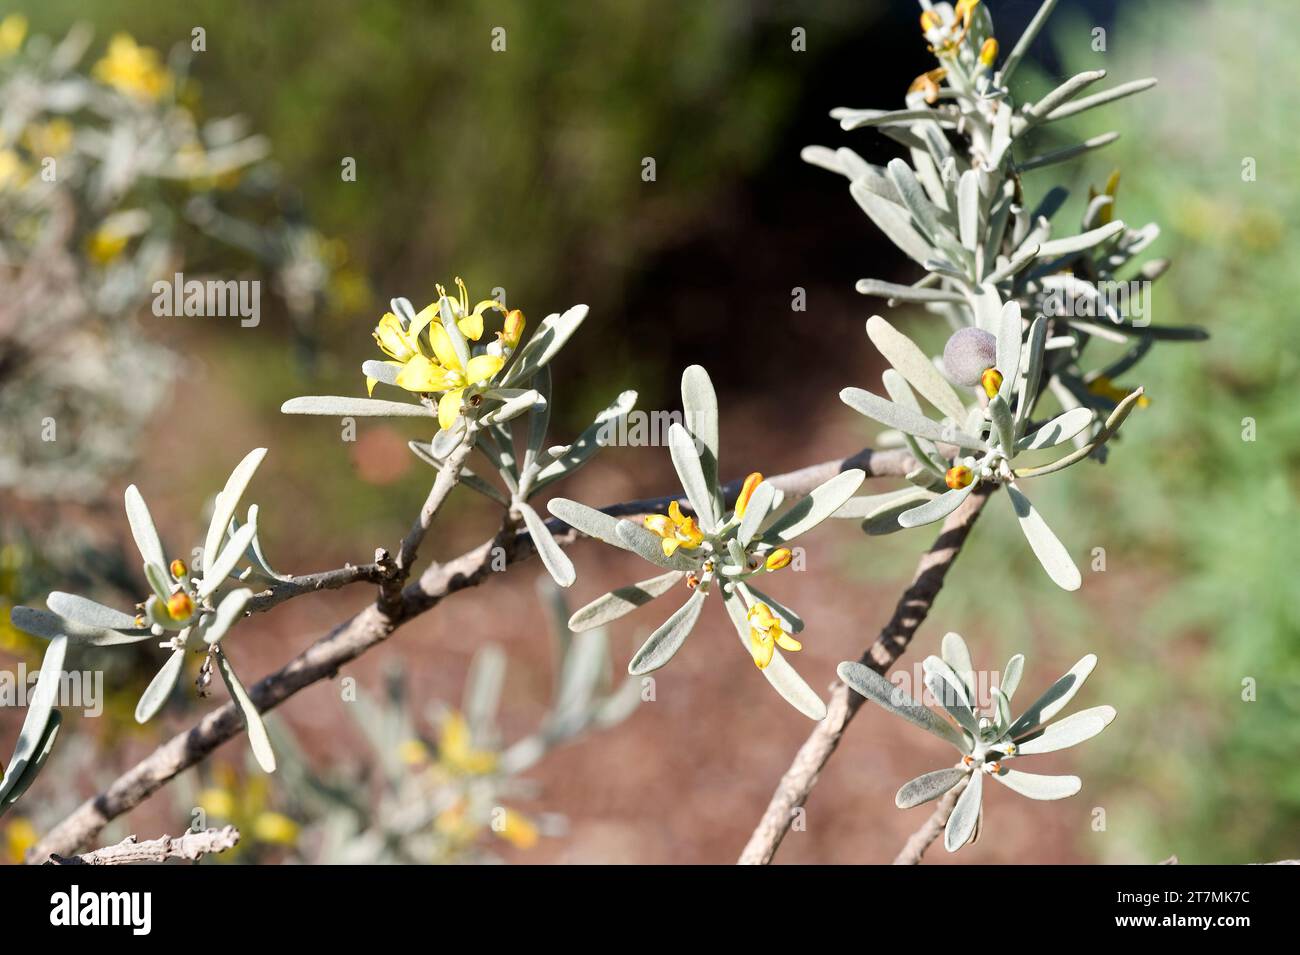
(911, 610)
(920, 840)
(192, 846)
(370, 627)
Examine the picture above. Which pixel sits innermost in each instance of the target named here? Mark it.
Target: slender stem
(909, 613)
(920, 840)
(192, 846)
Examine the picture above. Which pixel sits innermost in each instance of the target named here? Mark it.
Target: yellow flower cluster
(132, 69)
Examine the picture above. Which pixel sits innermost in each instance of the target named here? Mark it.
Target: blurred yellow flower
(244, 806)
(19, 836)
(13, 30)
(456, 750)
(132, 69)
(12, 169)
(52, 138)
(518, 830)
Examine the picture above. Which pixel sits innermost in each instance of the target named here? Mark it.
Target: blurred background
(522, 170)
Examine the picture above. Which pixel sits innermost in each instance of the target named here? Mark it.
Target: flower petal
(443, 349)
(483, 367)
(449, 408)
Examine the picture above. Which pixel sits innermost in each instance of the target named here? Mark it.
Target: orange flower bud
(958, 477)
(746, 492)
(514, 328)
(991, 379)
(779, 558)
(178, 569)
(180, 606)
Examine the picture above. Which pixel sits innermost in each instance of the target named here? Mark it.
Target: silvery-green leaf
(515, 406)
(257, 738)
(1074, 729)
(1003, 705)
(1038, 787)
(896, 416)
(1081, 242)
(160, 687)
(1057, 697)
(83, 610)
(1023, 43)
(884, 519)
(927, 786)
(700, 408)
(956, 654)
(215, 575)
(649, 546)
(1051, 553)
(850, 119)
(158, 579)
(1010, 328)
(588, 521)
(924, 214)
(950, 697)
(1004, 424)
(1033, 369)
(544, 344)
(756, 511)
(912, 364)
(26, 774)
(1011, 675)
(668, 639)
(557, 563)
(589, 442)
(792, 622)
(893, 220)
(228, 612)
(937, 508)
(907, 293)
(1062, 93)
(620, 602)
(961, 824)
(47, 626)
(1057, 431)
(820, 503)
(539, 419)
(381, 371)
(142, 528)
(923, 449)
(860, 508)
(686, 459)
(448, 440)
(1068, 153)
(40, 711)
(339, 406)
(227, 502)
(968, 208)
(1100, 99)
(483, 683)
(870, 684)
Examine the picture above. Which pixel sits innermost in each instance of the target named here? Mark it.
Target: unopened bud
(180, 606)
(989, 52)
(514, 328)
(778, 558)
(178, 569)
(958, 477)
(991, 379)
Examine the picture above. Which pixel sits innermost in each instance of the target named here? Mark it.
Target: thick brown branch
(911, 610)
(367, 629)
(192, 846)
(920, 840)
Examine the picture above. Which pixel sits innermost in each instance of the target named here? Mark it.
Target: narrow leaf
(557, 563)
(337, 406)
(1038, 787)
(820, 503)
(142, 528)
(160, 687)
(961, 824)
(927, 786)
(1049, 550)
(618, 603)
(912, 364)
(668, 639)
(257, 738)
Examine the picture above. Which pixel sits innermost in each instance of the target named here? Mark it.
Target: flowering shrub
(1023, 375)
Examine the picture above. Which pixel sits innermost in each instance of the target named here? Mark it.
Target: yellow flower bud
(991, 379)
(959, 476)
(140, 622)
(746, 492)
(180, 606)
(928, 84)
(778, 558)
(989, 52)
(514, 328)
(178, 569)
(929, 20)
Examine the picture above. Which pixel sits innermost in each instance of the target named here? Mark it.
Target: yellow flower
(13, 30)
(12, 170)
(746, 492)
(245, 807)
(49, 139)
(456, 750)
(1105, 388)
(132, 69)
(437, 367)
(676, 529)
(275, 829)
(766, 634)
(413, 752)
(518, 830)
(19, 836)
